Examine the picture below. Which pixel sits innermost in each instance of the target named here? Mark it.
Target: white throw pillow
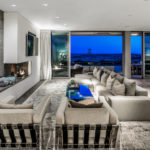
(130, 86)
(95, 72)
(110, 82)
(76, 66)
(98, 74)
(104, 78)
(118, 88)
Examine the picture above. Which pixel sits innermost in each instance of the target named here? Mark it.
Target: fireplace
(19, 70)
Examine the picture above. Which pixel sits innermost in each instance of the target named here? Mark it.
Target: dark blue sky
(102, 44)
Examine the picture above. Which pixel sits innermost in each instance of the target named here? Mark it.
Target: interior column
(126, 54)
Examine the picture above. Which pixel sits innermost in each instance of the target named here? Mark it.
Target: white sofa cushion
(15, 116)
(113, 117)
(86, 116)
(61, 111)
(83, 76)
(18, 106)
(118, 88)
(9, 100)
(41, 109)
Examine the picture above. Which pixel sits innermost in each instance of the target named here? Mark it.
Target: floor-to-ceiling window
(136, 55)
(60, 54)
(147, 55)
(97, 50)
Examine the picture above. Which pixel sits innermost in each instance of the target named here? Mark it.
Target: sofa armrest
(141, 91)
(8, 100)
(131, 108)
(113, 115)
(60, 119)
(41, 109)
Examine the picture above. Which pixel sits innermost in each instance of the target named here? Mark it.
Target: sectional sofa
(104, 82)
(128, 100)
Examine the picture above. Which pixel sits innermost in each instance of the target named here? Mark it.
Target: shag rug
(134, 135)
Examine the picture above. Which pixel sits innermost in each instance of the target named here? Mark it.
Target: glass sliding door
(60, 54)
(136, 55)
(97, 49)
(147, 55)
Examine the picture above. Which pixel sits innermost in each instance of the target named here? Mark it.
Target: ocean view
(103, 60)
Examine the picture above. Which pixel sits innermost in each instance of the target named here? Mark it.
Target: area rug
(134, 135)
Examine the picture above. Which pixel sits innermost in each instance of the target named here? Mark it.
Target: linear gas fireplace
(19, 70)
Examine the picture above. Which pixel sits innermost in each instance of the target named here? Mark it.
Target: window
(136, 55)
(97, 50)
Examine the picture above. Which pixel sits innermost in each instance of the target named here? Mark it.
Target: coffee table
(80, 94)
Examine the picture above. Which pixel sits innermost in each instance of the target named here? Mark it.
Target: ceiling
(118, 15)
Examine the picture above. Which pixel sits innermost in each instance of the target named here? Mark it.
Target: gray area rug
(134, 135)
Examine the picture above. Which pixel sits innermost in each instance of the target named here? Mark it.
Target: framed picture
(31, 44)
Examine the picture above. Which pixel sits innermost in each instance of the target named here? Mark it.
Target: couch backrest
(16, 116)
(84, 116)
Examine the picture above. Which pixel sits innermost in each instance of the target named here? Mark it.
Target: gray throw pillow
(107, 71)
(79, 105)
(130, 86)
(95, 72)
(110, 82)
(118, 88)
(113, 74)
(119, 78)
(104, 78)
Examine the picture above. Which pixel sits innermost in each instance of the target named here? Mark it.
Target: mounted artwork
(31, 44)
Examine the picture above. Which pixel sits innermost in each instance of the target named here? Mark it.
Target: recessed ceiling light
(13, 5)
(57, 17)
(45, 4)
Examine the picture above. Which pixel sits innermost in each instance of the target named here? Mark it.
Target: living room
(72, 78)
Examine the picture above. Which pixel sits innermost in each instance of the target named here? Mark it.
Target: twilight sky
(103, 44)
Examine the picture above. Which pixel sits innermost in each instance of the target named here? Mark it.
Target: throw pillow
(118, 88)
(104, 78)
(102, 71)
(113, 74)
(76, 66)
(86, 69)
(95, 72)
(130, 86)
(18, 106)
(107, 71)
(110, 82)
(98, 74)
(79, 105)
(119, 78)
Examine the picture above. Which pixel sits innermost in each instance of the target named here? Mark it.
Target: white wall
(10, 37)
(15, 29)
